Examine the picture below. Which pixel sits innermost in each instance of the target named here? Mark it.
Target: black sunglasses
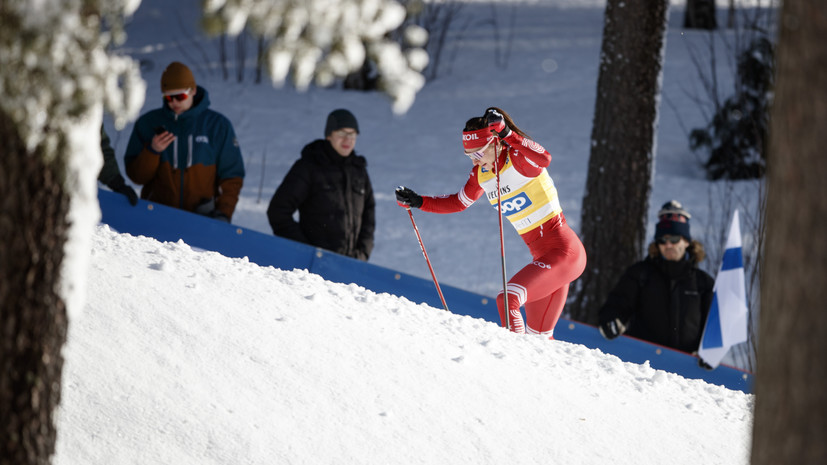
(669, 239)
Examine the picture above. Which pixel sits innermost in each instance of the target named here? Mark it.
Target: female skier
(498, 148)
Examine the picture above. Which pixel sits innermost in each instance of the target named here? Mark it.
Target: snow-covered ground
(185, 357)
(189, 357)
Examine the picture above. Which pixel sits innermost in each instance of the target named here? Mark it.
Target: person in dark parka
(110, 174)
(330, 187)
(665, 298)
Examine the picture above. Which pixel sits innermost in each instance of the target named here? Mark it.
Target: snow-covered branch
(321, 40)
(54, 65)
(56, 77)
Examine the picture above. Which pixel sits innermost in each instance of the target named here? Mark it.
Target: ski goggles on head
(476, 140)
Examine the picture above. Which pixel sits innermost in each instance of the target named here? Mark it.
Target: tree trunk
(260, 59)
(240, 55)
(700, 14)
(222, 55)
(365, 78)
(791, 406)
(730, 18)
(32, 315)
(619, 180)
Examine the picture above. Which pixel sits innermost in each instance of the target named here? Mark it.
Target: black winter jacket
(662, 302)
(110, 174)
(334, 197)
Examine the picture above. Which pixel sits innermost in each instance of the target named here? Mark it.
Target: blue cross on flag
(726, 324)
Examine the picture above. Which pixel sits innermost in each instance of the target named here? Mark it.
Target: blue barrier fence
(170, 225)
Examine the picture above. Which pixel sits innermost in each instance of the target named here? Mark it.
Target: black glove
(496, 123)
(705, 365)
(120, 186)
(612, 329)
(219, 215)
(361, 255)
(408, 198)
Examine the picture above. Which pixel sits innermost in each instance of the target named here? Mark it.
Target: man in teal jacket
(184, 154)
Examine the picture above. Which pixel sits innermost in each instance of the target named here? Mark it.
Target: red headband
(476, 139)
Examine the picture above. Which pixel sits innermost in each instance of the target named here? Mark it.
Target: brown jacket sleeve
(144, 167)
(228, 192)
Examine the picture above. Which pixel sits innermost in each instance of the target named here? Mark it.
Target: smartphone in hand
(160, 129)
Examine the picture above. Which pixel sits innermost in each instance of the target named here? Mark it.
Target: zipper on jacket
(351, 240)
(181, 168)
(189, 150)
(186, 167)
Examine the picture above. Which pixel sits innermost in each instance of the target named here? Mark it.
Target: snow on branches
(56, 77)
(323, 40)
(54, 66)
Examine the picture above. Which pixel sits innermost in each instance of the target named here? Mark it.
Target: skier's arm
(455, 202)
(528, 157)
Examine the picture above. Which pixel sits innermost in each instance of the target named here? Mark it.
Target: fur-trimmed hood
(695, 249)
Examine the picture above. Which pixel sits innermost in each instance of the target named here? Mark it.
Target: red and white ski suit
(529, 201)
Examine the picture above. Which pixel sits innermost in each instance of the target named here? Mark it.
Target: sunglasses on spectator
(478, 154)
(177, 97)
(670, 239)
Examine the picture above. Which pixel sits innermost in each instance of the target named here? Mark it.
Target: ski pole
(427, 260)
(502, 242)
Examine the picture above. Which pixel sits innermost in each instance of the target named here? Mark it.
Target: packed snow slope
(189, 357)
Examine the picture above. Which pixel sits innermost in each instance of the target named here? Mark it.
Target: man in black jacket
(330, 187)
(665, 298)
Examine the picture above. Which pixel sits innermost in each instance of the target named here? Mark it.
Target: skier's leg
(537, 283)
(559, 259)
(547, 279)
(516, 298)
(542, 315)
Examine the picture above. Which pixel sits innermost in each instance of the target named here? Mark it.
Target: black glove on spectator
(120, 186)
(408, 198)
(704, 365)
(612, 329)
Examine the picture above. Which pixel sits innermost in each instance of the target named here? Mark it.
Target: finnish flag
(726, 324)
